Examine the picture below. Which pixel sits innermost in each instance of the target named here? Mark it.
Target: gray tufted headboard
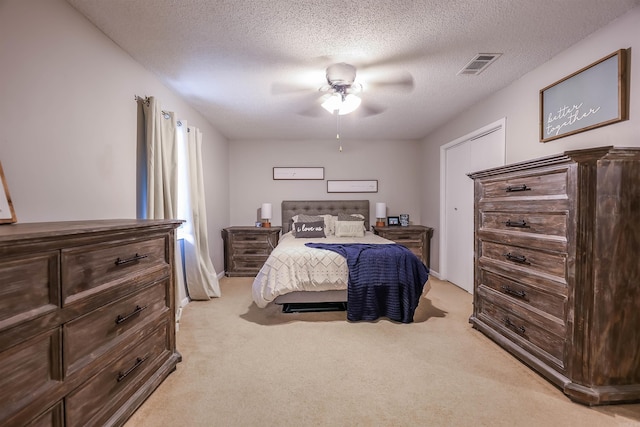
(317, 207)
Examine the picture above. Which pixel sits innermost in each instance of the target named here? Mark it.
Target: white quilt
(294, 267)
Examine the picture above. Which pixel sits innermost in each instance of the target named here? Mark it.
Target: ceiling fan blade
(399, 58)
(402, 80)
(289, 88)
(368, 109)
(315, 111)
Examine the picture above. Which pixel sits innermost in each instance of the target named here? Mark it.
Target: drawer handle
(137, 310)
(518, 224)
(139, 361)
(512, 325)
(514, 292)
(135, 258)
(520, 259)
(514, 188)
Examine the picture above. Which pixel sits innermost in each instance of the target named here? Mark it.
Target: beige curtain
(168, 163)
(162, 178)
(202, 281)
(162, 161)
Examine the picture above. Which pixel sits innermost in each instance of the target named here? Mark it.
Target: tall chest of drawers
(87, 319)
(557, 276)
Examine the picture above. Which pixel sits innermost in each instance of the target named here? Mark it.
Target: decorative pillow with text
(303, 218)
(308, 229)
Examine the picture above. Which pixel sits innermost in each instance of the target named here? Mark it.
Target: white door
(459, 232)
(480, 150)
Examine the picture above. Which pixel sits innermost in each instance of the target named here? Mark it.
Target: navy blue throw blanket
(384, 280)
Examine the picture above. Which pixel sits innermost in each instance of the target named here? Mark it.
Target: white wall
(395, 164)
(519, 104)
(68, 120)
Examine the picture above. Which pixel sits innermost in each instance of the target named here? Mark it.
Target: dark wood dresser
(557, 275)
(87, 319)
(414, 237)
(247, 248)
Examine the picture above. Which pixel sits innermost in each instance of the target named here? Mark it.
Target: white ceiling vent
(479, 63)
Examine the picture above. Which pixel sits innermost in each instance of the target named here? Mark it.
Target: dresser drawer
(53, 417)
(29, 372)
(248, 264)
(256, 248)
(408, 240)
(253, 238)
(551, 303)
(537, 186)
(29, 287)
(544, 264)
(531, 329)
(92, 403)
(417, 250)
(89, 271)
(401, 235)
(89, 337)
(537, 224)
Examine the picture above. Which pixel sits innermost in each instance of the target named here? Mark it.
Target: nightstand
(414, 237)
(247, 248)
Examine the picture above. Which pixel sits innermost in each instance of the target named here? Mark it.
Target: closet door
(483, 151)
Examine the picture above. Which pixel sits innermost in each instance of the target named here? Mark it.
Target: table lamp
(381, 213)
(265, 214)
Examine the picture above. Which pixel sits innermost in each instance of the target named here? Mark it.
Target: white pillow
(349, 228)
(329, 224)
(350, 217)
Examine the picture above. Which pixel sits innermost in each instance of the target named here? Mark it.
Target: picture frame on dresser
(392, 221)
(7, 213)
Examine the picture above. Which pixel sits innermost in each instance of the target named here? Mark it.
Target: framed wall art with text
(592, 97)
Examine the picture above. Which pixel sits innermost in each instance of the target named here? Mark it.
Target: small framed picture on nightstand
(393, 220)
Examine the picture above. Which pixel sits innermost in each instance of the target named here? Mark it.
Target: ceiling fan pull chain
(338, 129)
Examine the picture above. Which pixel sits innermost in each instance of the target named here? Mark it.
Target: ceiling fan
(342, 92)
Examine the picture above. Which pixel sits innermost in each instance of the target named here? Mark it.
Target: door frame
(497, 126)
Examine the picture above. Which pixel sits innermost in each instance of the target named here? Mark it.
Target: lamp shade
(266, 211)
(381, 210)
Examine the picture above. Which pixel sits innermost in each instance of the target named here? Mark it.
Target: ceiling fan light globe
(332, 103)
(350, 104)
(335, 103)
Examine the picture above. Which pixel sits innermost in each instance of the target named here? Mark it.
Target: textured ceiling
(227, 58)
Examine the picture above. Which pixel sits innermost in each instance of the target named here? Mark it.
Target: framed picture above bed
(352, 186)
(298, 173)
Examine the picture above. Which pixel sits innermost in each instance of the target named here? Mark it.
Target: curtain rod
(140, 98)
(164, 113)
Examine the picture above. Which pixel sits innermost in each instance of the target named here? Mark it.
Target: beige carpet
(245, 366)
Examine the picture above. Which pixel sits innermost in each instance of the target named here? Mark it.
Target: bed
(302, 278)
